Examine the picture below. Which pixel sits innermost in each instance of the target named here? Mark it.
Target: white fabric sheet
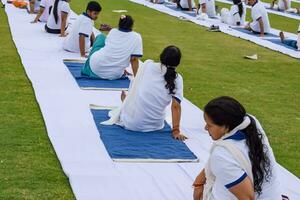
(74, 136)
(225, 28)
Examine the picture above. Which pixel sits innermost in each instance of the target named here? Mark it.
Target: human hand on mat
(178, 136)
(33, 22)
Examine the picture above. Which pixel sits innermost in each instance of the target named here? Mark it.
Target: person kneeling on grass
(111, 55)
(260, 20)
(57, 22)
(241, 163)
(292, 43)
(45, 9)
(81, 36)
(237, 14)
(155, 87)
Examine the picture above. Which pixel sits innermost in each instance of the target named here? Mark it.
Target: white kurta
(151, 101)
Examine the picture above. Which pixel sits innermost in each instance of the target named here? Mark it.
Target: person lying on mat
(260, 20)
(111, 55)
(159, 85)
(208, 7)
(57, 22)
(186, 5)
(282, 5)
(292, 43)
(241, 163)
(33, 6)
(81, 36)
(43, 14)
(237, 14)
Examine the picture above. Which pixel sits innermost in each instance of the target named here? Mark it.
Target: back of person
(259, 11)
(83, 25)
(152, 99)
(210, 7)
(234, 12)
(62, 6)
(184, 4)
(47, 5)
(220, 155)
(111, 61)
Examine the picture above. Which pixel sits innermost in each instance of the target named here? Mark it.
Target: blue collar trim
(124, 30)
(85, 14)
(237, 136)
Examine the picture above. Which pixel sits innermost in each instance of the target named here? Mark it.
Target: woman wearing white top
(237, 14)
(43, 14)
(111, 55)
(159, 87)
(57, 22)
(250, 175)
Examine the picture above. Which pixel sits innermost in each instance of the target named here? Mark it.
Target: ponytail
(55, 10)
(170, 58)
(241, 9)
(259, 160)
(170, 77)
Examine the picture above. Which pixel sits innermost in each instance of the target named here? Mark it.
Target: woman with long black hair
(241, 163)
(236, 15)
(57, 22)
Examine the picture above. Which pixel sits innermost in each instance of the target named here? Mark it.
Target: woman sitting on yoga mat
(236, 15)
(156, 86)
(111, 55)
(292, 43)
(57, 22)
(241, 164)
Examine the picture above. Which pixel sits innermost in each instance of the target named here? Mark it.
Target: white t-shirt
(111, 61)
(36, 7)
(62, 6)
(46, 4)
(184, 3)
(235, 16)
(229, 173)
(151, 100)
(210, 7)
(298, 40)
(281, 5)
(259, 11)
(82, 26)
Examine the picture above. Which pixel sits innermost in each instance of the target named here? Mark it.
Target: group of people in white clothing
(241, 164)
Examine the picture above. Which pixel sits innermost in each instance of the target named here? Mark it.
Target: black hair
(126, 22)
(170, 57)
(55, 10)
(240, 6)
(94, 6)
(228, 112)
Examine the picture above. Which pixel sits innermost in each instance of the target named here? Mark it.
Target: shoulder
(136, 35)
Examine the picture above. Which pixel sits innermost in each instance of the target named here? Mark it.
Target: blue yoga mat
(174, 7)
(250, 33)
(86, 82)
(130, 146)
(278, 41)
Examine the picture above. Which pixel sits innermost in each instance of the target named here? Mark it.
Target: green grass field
(212, 65)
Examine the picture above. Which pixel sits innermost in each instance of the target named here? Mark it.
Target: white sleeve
(179, 89)
(138, 47)
(226, 169)
(43, 3)
(256, 14)
(85, 29)
(65, 7)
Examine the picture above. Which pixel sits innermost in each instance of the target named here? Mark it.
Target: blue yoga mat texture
(86, 82)
(122, 144)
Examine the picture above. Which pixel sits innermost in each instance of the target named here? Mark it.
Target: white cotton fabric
(210, 7)
(62, 6)
(75, 138)
(82, 26)
(111, 61)
(46, 4)
(184, 3)
(281, 5)
(259, 11)
(151, 101)
(36, 7)
(232, 16)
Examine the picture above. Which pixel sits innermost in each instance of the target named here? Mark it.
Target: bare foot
(281, 35)
(123, 96)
